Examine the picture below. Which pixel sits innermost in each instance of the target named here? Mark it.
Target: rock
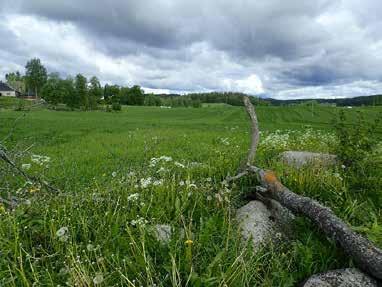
(300, 158)
(261, 224)
(349, 277)
(162, 232)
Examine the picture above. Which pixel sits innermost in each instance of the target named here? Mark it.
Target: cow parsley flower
(133, 197)
(26, 166)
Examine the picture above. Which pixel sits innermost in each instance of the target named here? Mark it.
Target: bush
(359, 153)
(116, 106)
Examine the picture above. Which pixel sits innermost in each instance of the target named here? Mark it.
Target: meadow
(121, 173)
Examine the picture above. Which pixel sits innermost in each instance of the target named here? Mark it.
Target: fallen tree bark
(365, 254)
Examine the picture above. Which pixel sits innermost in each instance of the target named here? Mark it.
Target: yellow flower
(2, 208)
(189, 242)
(34, 189)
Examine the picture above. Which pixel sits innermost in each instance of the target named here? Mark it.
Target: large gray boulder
(261, 223)
(349, 277)
(301, 158)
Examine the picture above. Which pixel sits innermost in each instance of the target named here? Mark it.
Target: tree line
(88, 94)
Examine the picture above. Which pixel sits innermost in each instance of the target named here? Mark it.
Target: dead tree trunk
(365, 254)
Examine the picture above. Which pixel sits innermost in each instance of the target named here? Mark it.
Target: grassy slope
(87, 147)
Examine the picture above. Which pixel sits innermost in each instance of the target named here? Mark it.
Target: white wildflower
(158, 182)
(26, 166)
(40, 159)
(90, 247)
(114, 174)
(178, 164)
(166, 158)
(133, 197)
(145, 182)
(181, 183)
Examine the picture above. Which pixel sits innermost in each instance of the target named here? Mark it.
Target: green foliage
(95, 92)
(16, 81)
(80, 84)
(20, 106)
(152, 100)
(69, 95)
(360, 152)
(116, 106)
(51, 90)
(133, 96)
(356, 140)
(35, 74)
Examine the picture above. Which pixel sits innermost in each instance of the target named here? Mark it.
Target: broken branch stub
(255, 135)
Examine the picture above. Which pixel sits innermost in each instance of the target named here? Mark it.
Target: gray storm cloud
(283, 49)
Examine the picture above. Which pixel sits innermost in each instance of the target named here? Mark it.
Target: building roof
(5, 87)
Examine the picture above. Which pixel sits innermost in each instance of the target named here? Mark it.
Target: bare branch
(255, 130)
(4, 156)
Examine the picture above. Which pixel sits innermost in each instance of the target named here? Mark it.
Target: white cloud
(320, 49)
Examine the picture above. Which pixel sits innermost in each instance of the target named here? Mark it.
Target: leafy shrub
(116, 106)
(358, 150)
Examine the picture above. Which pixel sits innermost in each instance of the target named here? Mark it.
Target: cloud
(278, 48)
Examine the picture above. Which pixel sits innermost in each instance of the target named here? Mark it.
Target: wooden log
(365, 254)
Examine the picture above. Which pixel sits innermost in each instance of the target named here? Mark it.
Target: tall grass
(123, 173)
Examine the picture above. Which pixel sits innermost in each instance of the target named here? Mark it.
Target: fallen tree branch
(365, 254)
(4, 156)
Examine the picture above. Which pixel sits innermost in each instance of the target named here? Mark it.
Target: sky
(271, 48)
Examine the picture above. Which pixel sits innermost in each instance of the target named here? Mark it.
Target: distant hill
(374, 100)
(235, 99)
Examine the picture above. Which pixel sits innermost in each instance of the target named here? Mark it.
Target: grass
(99, 229)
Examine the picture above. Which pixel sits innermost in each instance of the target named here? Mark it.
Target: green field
(113, 192)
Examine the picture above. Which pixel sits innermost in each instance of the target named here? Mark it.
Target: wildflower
(26, 166)
(181, 183)
(98, 279)
(166, 158)
(114, 174)
(145, 182)
(158, 182)
(133, 197)
(2, 208)
(162, 169)
(90, 247)
(40, 159)
(209, 197)
(34, 189)
(139, 221)
(178, 164)
(188, 242)
(343, 166)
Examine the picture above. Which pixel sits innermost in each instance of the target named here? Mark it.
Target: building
(7, 91)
